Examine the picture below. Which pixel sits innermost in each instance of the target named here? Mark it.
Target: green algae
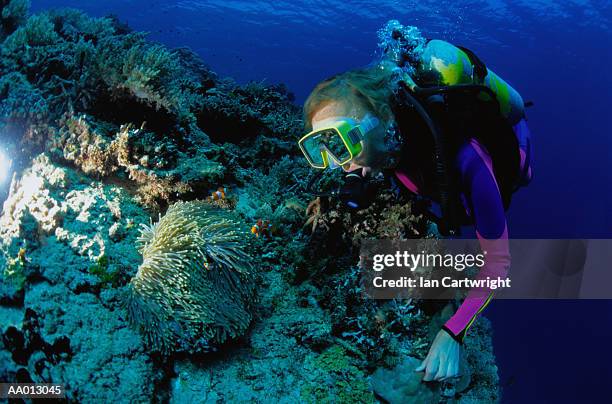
(335, 378)
(108, 277)
(14, 270)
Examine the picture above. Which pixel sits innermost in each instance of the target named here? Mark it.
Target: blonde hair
(370, 88)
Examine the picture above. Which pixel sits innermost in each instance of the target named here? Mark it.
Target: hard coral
(12, 14)
(195, 287)
(37, 31)
(85, 85)
(146, 72)
(20, 101)
(234, 114)
(84, 64)
(276, 196)
(403, 385)
(100, 151)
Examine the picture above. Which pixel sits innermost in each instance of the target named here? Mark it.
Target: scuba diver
(431, 117)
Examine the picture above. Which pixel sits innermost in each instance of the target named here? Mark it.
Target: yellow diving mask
(337, 142)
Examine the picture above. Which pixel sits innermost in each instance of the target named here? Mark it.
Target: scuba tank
(445, 96)
(436, 121)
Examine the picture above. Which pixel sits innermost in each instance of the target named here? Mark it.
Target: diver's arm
(442, 63)
(491, 229)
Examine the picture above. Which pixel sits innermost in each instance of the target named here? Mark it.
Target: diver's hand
(442, 361)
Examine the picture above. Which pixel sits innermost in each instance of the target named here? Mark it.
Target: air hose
(357, 192)
(443, 177)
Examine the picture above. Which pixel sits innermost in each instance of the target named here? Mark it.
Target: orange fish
(262, 228)
(219, 194)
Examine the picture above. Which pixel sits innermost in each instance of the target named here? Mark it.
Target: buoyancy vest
(436, 120)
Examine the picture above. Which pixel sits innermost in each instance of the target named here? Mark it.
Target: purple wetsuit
(483, 204)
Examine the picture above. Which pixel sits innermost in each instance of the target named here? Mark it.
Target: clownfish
(218, 195)
(262, 228)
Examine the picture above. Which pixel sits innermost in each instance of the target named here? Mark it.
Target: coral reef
(335, 378)
(394, 385)
(66, 325)
(95, 94)
(112, 130)
(195, 286)
(14, 13)
(14, 270)
(274, 196)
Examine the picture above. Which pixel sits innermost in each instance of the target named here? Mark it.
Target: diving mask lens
(336, 148)
(311, 146)
(324, 144)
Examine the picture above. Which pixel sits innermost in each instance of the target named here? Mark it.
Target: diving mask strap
(368, 123)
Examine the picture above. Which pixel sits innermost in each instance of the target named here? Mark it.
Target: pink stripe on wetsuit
(484, 204)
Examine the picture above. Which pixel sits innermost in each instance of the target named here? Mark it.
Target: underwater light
(5, 166)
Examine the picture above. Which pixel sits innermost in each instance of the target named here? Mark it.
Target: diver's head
(358, 98)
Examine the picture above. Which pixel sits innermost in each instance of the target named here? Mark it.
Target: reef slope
(108, 130)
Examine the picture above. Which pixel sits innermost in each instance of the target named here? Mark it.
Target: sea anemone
(195, 287)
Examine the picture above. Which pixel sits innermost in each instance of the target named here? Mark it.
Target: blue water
(556, 53)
